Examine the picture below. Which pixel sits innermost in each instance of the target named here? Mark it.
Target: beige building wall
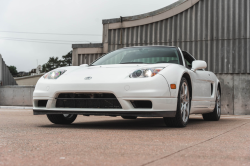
(29, 80)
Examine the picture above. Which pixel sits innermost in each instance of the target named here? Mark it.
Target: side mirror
(84, 65)
(196, 65)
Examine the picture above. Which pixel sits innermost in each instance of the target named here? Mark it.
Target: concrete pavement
(26, 139)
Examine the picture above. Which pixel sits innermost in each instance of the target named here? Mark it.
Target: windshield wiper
(131, 62)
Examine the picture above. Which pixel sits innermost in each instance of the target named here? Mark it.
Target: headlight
(54, 74)
(143, 73)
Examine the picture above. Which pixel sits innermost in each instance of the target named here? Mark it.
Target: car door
(201, 85)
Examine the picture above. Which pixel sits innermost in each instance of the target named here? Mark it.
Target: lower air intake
(88, 100)
(141, 104)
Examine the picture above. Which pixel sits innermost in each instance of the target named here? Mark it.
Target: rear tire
(183, 107)
(129, 117)
(61, 118)
(215, 115)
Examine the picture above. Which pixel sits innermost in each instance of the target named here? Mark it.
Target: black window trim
(191, 57)
(180, 56)
(189, 54)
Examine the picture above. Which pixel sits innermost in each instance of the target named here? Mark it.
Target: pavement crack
(193, 145)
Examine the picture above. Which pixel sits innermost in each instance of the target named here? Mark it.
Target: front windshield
(138, 55)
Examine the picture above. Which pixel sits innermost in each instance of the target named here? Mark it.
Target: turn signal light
(173, 86)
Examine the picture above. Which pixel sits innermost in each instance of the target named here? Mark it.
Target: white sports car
(146, 81)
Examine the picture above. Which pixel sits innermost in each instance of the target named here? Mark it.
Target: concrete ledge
(151, 17)
(89, 51)
(21, 96)
(17, 86)
(27, 77)
(91, 45)
(145, 15)
(16, 107)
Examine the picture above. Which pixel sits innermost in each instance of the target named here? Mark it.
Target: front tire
(129, 117)
(61, 118)
(215, 115)
(183, 107)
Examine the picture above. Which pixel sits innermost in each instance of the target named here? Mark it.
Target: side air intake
(141, 104)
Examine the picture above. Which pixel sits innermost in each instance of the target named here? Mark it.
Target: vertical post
(1, 70)
(105, 37)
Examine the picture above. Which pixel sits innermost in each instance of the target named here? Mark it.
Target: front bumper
(161, 107)
(154, 89)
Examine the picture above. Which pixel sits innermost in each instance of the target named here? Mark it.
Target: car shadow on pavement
(122, 124)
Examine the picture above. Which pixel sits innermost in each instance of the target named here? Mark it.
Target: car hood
(105, 72)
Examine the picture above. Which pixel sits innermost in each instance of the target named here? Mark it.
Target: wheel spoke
(182, 110)
(184, 114)
(218, 103)
(187, 96)
(65, 115)
(187, 110)
(185, 86)
(181, 107)
(183, 90)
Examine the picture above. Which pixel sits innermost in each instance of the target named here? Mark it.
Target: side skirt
(202, 107)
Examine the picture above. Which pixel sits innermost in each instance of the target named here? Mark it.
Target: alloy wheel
(68, 115)
(184, 102)
(218, 103)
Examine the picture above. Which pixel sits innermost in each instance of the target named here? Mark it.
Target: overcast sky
(23, 50)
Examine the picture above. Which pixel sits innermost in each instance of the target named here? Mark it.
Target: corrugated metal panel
(7, 76)
(216, 31)
(87, 58)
